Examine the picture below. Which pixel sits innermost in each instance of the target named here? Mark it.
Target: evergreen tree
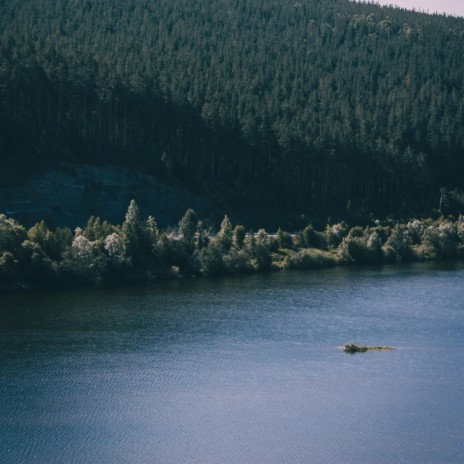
(132, 232)
(188, 226)
(225, 234)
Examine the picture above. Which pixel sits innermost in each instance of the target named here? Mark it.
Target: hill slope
(301, 105)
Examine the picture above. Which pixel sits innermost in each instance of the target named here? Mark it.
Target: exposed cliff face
(70, 194)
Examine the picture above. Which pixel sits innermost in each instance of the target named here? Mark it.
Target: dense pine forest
(312, 106)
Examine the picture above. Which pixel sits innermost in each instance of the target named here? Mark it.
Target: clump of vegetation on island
(353, 348)
(139, 251)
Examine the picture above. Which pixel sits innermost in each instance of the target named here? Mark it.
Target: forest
(309, 106)
(139, 251)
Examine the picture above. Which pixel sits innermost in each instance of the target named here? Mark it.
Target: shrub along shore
(139, 251)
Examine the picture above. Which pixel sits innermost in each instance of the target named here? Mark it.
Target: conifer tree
(131, 229)
(188, 225)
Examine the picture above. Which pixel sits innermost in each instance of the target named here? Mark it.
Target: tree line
(322, 102)
(139, 251)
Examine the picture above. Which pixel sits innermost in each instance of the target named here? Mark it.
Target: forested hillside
(306, 105)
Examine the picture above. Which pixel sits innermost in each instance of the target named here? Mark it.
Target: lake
(239, 370)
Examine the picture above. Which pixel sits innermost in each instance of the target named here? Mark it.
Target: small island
(353, 348)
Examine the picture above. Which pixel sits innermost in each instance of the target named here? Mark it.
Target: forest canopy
(306, 105)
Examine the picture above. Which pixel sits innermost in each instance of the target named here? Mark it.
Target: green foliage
(98, 230)
(84, 260)
(151, 230)
(353, 348)
(438, 241)
(238, 238)
(132, 231)
(225, 234)
(238, 261)
(398, 245)
(188, 225)
(259, 248)
(211, 260)
(53, 243)
(36, 266)
(170, 250)
(39, 234)
(362, 246)
(140, 251)
(8, 266)
(115, 247)
(59, 241)
(310, 238)
(335, 233)
(12, 234)
(310, 258)
(284, 239)
(202, 239)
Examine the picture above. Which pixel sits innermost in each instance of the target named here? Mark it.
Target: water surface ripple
(242, 370)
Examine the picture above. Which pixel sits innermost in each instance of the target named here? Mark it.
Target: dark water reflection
(240, 370)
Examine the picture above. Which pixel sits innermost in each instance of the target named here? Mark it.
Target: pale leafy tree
(440, 241)
(84, 258)
(82, 249)
(11, 234)
(8, 265)
(116, 249)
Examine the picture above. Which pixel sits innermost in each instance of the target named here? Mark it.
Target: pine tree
(132, 232)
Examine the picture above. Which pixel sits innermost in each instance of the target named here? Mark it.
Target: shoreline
(139, 252)
(27, 287)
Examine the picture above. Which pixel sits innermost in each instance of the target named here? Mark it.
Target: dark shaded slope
(300, 106)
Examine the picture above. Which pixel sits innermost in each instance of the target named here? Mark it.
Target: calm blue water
(239, 370)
